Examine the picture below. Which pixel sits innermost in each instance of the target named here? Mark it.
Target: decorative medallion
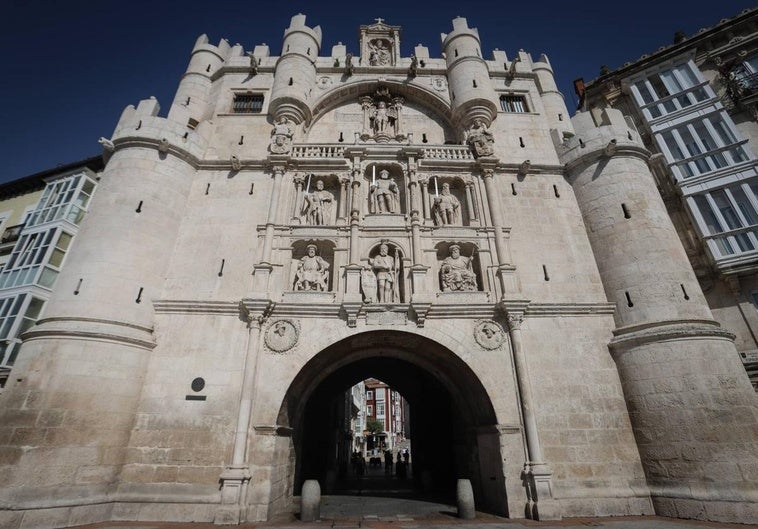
(489, 334)
(324, 82)
(282, 336)
(439, 83)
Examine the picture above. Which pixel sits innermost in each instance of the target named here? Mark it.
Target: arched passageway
(452, 418)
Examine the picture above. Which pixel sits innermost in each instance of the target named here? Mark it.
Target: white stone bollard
(464, 495)
(310, 501)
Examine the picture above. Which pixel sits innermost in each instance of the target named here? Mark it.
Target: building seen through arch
(294, 226)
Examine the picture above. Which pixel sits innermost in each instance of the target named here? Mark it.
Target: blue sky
(71, 66)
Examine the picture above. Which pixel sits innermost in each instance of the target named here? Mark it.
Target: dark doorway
(449, 411)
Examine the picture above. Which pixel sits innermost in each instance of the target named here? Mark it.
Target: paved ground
(353, 512)
(379, 501)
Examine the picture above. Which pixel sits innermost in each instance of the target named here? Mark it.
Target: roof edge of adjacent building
(37, 180)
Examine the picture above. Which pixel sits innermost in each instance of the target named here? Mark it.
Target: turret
(192, 95)
(628, 224)
(295, 74)
(552, 99)
(686, 390)
(471, 93)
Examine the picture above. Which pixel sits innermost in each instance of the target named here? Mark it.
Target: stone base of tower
(695, 418)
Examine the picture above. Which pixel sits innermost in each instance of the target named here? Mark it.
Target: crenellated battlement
(141, 124)
(603, 133)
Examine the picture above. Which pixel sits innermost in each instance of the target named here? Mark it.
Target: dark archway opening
(451, 418)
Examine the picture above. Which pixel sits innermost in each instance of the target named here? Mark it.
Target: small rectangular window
(511, 103)
(248, 104)
(369, 395)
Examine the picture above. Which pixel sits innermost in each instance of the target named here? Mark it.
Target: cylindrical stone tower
(552, 99)
(472, 94)
(79, 379)
(295, 74)
(193, 92)
(692, 408)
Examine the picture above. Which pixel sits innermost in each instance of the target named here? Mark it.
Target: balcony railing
(335, 151)
(448, 152)
(318, 151)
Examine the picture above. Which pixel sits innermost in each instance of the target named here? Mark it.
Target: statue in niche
(385, 195)
(480, 139)
(312, 271)
(385, 268)
(382, 116)
(447, 208)
(317, 206)
(379, 52)
(456, 272)
(281, 137)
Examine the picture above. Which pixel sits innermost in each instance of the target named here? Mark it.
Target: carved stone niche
(386, 193)
(380, 44)
(318, 199)
(382, 116)
(383, 275)
(448, 201)
(312, 268)
(459, 268)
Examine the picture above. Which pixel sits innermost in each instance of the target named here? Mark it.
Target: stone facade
(288, 229)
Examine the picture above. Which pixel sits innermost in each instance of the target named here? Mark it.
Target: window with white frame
(65, 198)
(671, 90)
(513, 103)
(36, 259)
(17, 315)
(369, 395)
(728, 219)
(380, 409)
(369, 411)
(701, 146)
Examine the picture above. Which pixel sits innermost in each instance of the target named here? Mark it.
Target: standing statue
(385, 195)
(312, 271)
(480, 139)
(447, 208)
(317, 206)
(385, 268)
(281, 137)
(456, 272)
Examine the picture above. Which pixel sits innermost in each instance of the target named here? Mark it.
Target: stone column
(537, 474)
(344, 181)
(472, 216)
(355, 216)
(236, 476)
(273, 208)
(506, 271)
(398, 103)
(299, 179)
(425, 196)
(366, 104)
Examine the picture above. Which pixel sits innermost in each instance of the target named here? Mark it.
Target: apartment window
(369, 411)
(380, 409)
(36, 259)
(248, 104)
(671, 90)
(727, 217)
(17, 315)
(511, 103)
(369, 395)
(67, 199)
(701, 146)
